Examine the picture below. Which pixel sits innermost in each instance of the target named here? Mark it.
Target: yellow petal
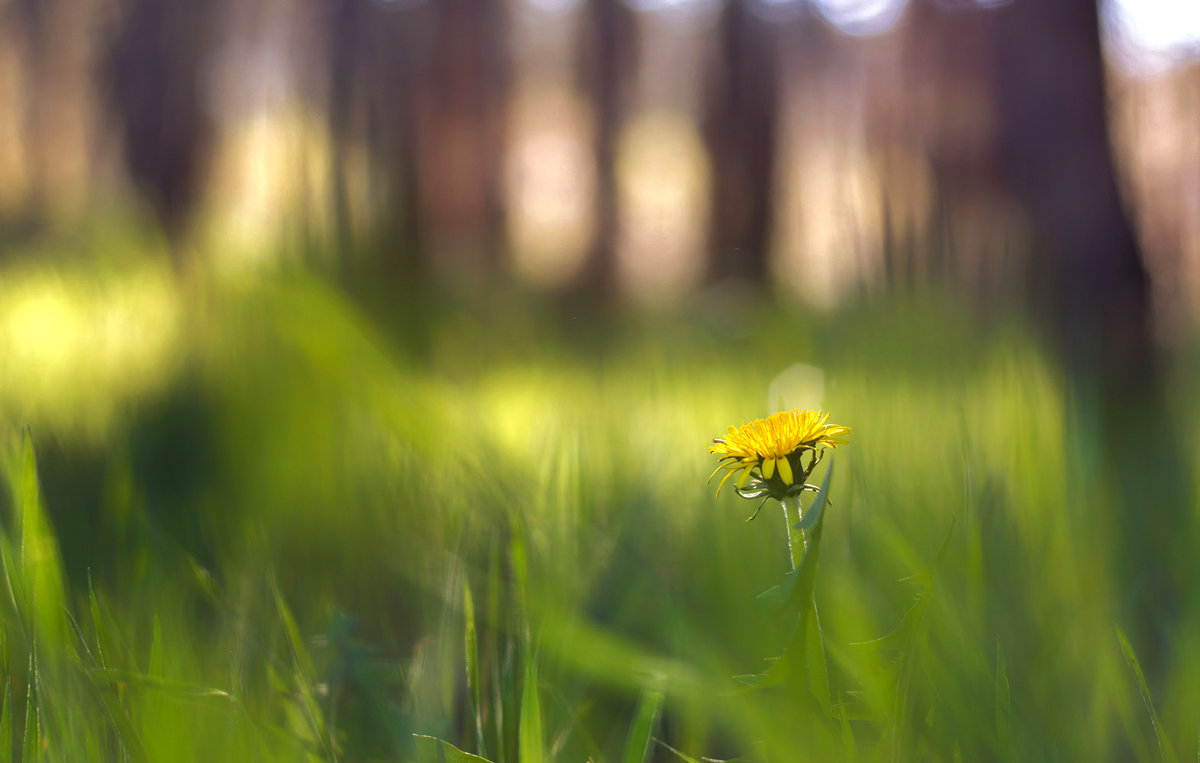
(745, 475)
(768, 467)
(785, 470)
(724, 479)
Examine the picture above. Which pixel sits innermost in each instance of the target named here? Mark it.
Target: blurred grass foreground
(245, 520)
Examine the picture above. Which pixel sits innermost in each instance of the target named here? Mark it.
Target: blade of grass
(15, 586)
(850, 749)
(41, 566)
(30, 739)
(131, 742)
(1165, 751)
(6, 724)
(818, 668)
(1003, 705)
(520, 572)
(111, 646)
(304, 673)
(178, 689)
(677, 753)
(471, 647)
(530, 734)
(155, 663)
(645, 722)
(434, 749)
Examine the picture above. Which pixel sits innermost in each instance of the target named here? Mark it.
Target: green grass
(306, 539)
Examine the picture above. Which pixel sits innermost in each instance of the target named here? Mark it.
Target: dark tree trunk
(949, 79)
(377, 58)
(741, 125)
(608, 45)
(32, 17)
(1054, 132)
(463, 136)
(156, 70)
(1054, 128)
(344, 43)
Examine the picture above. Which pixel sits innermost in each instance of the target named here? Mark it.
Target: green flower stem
(787, 504)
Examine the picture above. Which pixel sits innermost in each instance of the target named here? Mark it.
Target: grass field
(252, 522)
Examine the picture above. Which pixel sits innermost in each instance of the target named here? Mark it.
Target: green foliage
(317, 541)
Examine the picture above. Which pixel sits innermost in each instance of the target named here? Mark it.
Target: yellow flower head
(773, 446)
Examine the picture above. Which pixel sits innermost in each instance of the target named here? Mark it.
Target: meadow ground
(255, 521)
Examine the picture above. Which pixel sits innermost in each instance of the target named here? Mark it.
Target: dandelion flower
(766, 453)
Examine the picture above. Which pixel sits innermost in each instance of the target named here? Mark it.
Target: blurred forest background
(370, 350)
(649, 148)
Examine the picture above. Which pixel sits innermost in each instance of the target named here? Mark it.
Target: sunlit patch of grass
(78, 348)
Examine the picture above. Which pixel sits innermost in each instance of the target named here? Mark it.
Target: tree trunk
(1054, 133)
(608, 47)
(742, 119)
(157, 68)
(462, 140)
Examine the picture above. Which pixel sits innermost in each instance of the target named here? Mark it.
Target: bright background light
(1153, 35)
(862, 17)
